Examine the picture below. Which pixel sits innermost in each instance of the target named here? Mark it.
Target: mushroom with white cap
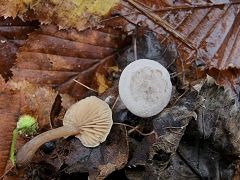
(145, 87)
(90, 120)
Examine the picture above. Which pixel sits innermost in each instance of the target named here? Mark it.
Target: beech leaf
(13, 33)
(57, 58)
(206, 33)
(19, 98)
(78, 14)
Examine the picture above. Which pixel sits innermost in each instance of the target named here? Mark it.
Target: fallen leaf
(12, 8)
(9, 111)
(13, 33)
(99, 162)
(102, 83)
(17, 98)
(35, 101)
(237, 172)
(155, 152)
(205, 33)
(55, 58)
(79, 14)
(219, 119)
(229, 78)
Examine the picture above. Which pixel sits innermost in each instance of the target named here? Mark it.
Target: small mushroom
(90, 120)
(145, 87)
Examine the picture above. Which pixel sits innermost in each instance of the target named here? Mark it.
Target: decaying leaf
(205, 33)
(219, 118)
(78, 14)
(102, 83)
(12, 8)
(13, 33)
(55, 58)
(35, 101)
(9, 109)
(229, 78)
(210, 145)
(99, 162)
(156, 151)
(17, 98)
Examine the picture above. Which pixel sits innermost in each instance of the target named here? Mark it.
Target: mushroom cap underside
(93, 117)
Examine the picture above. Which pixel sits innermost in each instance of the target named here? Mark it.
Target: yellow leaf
(79, 14)
(102, 83)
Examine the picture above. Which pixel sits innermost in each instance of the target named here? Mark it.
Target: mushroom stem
(25, 154)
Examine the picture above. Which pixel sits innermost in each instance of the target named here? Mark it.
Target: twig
(134, 128)
(115, 102)
(7, 171)
(173, 75)
(207, 5)
(84, 85)
(154, 17)
(135, 44)
(180, 96)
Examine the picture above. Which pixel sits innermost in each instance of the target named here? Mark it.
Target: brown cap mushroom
(90, 120)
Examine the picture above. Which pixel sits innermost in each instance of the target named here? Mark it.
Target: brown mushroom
(90, 120)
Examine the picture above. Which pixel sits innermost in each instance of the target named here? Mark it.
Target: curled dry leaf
(206, 34)
(13, 33)
(78, 14)
(55, 58)
(21, 98)
(156, 151)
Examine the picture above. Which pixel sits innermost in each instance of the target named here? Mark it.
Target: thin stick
(84, 85)
(135, 45)
(207, 5)
(132, 130)
(114, 104)
(154, 17)
(135, 129)
(7, 171)
(180, 96)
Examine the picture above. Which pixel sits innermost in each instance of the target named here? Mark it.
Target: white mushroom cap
(93, 117)
(145, 87)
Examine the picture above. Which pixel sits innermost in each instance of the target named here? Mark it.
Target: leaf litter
(19, 98)
(57, 58)
(193, 137)
(205, 34)
(13, 33)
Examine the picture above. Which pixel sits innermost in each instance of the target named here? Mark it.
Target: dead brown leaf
(13, 33)
(55, 58)
(9, 107)
(11, 8)
(206, 33)
(35, 101)
(18, 98)
(79, 14)
(99, 162)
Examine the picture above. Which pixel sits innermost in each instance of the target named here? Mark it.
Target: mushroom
(90, 120)
(145, 87)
